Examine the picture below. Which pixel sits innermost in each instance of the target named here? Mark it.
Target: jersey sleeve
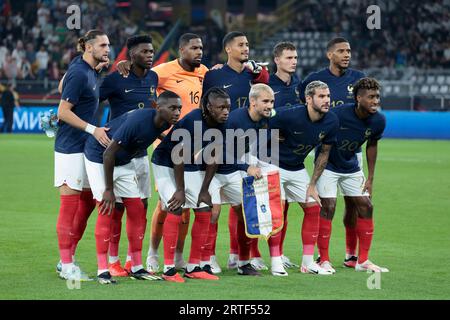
(73, 86)
(378, 134)
(107, 88)
(127, 132)
(207, 82)
(302, 86)
(331, 137)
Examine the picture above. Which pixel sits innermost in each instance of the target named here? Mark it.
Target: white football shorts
(124, 179)
(165, 182)
(227, 188)
(142, 168)
(70, 170)
(350, 184)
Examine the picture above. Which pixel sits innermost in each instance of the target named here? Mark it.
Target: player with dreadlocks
(174, 163)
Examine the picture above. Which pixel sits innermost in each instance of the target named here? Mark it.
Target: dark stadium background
(409, 54)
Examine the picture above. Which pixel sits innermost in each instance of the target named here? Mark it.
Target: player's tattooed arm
(371, 154)
(108, 200)
(319, 166)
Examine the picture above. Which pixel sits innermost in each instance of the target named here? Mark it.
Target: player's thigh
(352, 185)
(165, 182)
(193, 183)
(215, 188)
(295, 184)
(231, 192)
(142, 169)
(126, 182)
(96, 177)
(327, 184)
(70, 171)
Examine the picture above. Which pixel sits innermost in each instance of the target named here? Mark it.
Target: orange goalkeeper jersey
(188, 85)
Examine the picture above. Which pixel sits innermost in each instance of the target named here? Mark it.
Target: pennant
(263, 214)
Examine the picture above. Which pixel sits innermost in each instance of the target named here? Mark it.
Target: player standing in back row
(340, 79)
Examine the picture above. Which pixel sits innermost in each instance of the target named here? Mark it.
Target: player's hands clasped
(312, 192)
(177, 200)
(108, 203)
(101, 136)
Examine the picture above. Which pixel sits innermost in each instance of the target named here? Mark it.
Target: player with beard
(303, 128)
(79, 100)
(340, 79)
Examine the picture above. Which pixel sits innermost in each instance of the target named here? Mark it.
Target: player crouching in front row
(112, 174)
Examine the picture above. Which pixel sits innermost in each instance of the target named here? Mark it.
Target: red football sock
(102, 238)
(310, 229)
(364, 230)
(254, 251)
(211, 240)
(184, 228)
(244, 242)
(232, 227)
(136, 223)
(170, 237)
(323, 241)
(199, 234)
(283, 231)
(67, 211)
(85, 208)
(116, 229)
(158, 218)
(274, 245)
(351, 241)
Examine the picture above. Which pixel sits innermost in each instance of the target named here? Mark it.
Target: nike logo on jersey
(276, 92)
(343, 128)
(178, 81)
(128, 90)
(298, 132)
(227, 86)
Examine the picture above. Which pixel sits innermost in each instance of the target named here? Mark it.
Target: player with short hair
(303, 128)
(184, 76)
(236, 78)
(227, 181)
(340, 79)
(79, 100)
(184, 180)
(137, 91)
(358, 122)
(284, 83)
(112, 173)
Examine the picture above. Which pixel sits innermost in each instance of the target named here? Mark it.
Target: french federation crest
(368, 133)
(321, 135)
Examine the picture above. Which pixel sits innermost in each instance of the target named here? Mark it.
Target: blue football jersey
(352, 134)
(134, 131)
(125, 94)
(285, 94)
(301, 135)
(341, 88)
(237, 85)
(195, 126)
(80, 89)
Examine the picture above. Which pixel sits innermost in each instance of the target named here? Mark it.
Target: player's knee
(365, 209)
(327, 211)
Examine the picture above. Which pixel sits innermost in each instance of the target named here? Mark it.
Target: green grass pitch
(412, 235)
